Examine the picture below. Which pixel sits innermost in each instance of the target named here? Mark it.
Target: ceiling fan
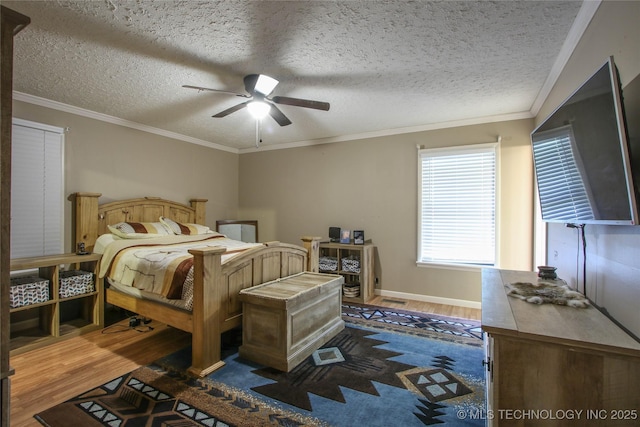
(259, 87)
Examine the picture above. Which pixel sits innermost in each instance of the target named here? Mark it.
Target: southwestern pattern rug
(388, 367)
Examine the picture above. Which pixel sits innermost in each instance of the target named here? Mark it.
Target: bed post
(205, 339)
(85, 213)
(312, 245)
(199, 206)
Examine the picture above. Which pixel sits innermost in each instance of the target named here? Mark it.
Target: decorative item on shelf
(28, 290)
(75, 282)
(334, 234)
(81, 249)
(345, 236)
(358, 237)
(547, 272)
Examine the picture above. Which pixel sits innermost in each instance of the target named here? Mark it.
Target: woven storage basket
(327, 263)
(351, 265)
(351, 290)
(75, 282)
(28, 290)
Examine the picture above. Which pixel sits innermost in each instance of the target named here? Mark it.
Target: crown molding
(582, 21)
(55, 105)
(20, 96)
(396, 131)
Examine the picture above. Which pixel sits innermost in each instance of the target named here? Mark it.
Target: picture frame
(358, 237)
(345, 236)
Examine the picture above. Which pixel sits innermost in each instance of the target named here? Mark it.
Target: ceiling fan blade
(250, 82)
(215, 90)
(279, 116)
(231, 110)
(318, 105)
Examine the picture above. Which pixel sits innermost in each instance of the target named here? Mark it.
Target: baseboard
(430, 298)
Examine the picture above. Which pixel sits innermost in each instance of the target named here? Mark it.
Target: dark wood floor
(50, 375)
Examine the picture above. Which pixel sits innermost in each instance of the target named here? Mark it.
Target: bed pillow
(103, 241)
(181, 228)
(139, 230)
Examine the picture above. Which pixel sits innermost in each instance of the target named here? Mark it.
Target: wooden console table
(547, 362)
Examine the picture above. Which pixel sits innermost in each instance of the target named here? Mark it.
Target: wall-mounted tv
(581, 156)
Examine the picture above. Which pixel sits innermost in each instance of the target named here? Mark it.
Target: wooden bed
(216, 307)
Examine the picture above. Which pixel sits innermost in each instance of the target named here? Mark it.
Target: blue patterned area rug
(388, 367)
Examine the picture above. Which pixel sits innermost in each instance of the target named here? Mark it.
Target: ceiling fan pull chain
(258, 133)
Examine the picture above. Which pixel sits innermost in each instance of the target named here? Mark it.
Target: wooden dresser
(551, 365)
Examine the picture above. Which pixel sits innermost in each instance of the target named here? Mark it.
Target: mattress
(160, 269)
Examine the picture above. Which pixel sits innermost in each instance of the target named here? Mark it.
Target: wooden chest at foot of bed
(286, 320)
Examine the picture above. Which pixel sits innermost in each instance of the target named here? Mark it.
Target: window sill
(453, 266)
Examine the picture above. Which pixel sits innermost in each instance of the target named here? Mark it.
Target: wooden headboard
(91, 219)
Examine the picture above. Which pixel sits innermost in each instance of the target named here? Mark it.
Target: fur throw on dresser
(544, 292)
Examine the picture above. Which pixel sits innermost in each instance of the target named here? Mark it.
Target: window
(37, 190)
(457, 203)
(564, 195)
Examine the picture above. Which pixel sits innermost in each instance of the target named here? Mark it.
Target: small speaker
(334, 234)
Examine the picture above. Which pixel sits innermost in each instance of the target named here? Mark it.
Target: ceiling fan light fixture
(258, 88)
(258, 109)
(265, 84)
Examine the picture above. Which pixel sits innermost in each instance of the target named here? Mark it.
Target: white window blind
(457, 189)
(37, 190)
(563, 193)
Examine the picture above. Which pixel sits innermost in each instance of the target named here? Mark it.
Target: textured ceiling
(382, 65)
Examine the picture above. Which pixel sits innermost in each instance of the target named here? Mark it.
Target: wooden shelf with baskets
(355, 264)
(64, 299)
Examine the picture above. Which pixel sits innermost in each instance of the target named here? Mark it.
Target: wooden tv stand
(547, 362)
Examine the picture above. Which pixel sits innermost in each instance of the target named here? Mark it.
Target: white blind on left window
(37, 190)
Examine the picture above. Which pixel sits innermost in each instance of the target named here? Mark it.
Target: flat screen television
(582, 156)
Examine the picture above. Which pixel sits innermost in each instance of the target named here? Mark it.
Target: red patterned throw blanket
(161, 265)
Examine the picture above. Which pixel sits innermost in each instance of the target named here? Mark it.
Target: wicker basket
(28, 290)
(327, 263)
(351, 264)
(75, 282)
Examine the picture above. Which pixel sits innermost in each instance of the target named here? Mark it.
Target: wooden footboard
(216, 307)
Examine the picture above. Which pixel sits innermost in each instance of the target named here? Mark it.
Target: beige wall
(368, 184)
(613, 252)
(371, 184)
(614, 30)
(121, 162)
